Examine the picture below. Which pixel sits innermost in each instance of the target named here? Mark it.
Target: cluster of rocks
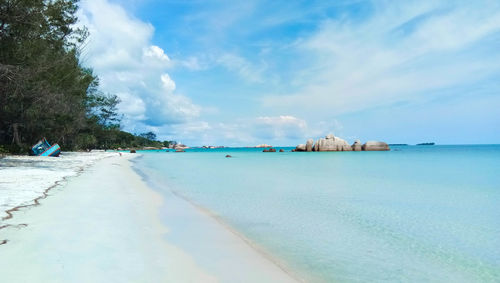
(333, 143)
(263, 145)
(178, 146)
(273, 150)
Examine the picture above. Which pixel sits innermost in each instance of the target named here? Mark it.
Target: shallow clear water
(415, 213)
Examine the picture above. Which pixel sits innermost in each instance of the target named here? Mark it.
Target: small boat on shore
(43, 148)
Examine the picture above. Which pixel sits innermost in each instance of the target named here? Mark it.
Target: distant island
(398, 144)
(263, 145)
(212, 146)
(426, 143)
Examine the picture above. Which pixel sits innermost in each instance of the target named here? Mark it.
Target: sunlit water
(415, 213)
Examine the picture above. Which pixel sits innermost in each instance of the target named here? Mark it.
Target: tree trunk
(15, 138)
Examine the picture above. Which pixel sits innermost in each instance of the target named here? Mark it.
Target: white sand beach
(104, 225)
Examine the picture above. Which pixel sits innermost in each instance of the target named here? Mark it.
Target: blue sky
(279, 72)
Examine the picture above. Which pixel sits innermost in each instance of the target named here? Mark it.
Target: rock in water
(309, 144)
(316, 147)
(332, 143)
(375, 146)
(272, 150)
(301, 147)
(132, 151)
(282, 150)
(356, 146)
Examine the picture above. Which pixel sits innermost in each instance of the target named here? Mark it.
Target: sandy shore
(24, 179)
(106, 225)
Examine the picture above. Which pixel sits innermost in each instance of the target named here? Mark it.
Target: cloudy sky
(278, 72)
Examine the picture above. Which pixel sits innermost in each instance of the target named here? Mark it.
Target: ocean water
(415, 213)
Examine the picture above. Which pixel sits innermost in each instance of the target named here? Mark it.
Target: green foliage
(149, 136)
(86, 141)
(168, 143)
(44, 90)
(42, 84)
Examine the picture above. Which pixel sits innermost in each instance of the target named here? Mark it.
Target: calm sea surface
(415, 213)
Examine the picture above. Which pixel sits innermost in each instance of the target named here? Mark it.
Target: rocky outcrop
(356, 146)
(263, 145)
(309, 144)
(269, 150)
(333, 143)
(179, 146)
(282, 150)
(375, 146)
(301, 147)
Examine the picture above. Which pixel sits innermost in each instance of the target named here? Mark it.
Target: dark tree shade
(44, 90)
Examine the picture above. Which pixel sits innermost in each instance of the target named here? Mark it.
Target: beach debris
(43, 148)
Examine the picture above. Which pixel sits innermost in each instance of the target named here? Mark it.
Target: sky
(242, 73)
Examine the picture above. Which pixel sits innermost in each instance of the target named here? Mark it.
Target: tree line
(44, 89)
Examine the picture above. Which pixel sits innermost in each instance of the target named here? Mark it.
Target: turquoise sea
(415, 213)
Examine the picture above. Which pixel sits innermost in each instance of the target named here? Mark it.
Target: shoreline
(253, 245)
(237, 247)
(41, 172)
(107, 216)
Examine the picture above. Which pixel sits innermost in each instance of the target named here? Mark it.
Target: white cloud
(405, 52)
(280, 127)
(168, 83)
(133, 106)
(121, 52)
(284, 129)
(244, 68)
(155, 52)
(191, 63)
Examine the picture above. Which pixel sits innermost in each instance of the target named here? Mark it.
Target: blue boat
(43, 148)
